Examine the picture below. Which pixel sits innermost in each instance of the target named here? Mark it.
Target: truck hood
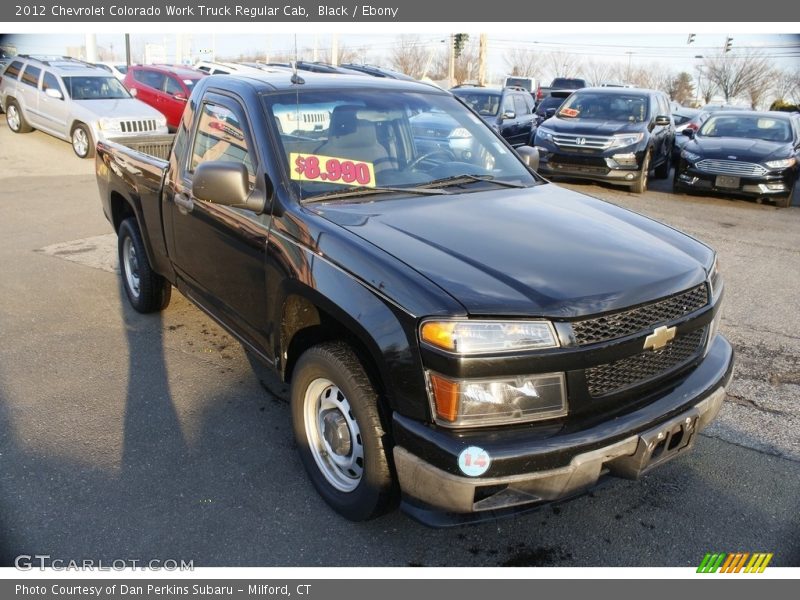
(540, 251)
(119, 108)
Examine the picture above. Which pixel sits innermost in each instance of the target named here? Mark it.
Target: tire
(82, 142)
(662, 170)
(341, 441)
(147, 290)
(640, 185)
(785, 201)
(15, 119)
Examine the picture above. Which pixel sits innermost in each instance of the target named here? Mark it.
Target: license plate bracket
(727, 181)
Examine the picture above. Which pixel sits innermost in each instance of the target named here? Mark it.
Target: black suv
(609, 134)
(509, 111)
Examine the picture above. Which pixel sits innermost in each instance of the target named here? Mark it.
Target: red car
(165, 88)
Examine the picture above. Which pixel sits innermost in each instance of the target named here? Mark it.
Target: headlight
(626, 139)
(479, 402)
(714, 280)
(107, 124)
(460, 133)
(690, 156)
(545, 134)
(780, 164)
(481, 337)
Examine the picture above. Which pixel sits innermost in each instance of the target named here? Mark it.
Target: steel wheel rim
(80, 142)
(12, 117)
(325, 402)
(130, 264)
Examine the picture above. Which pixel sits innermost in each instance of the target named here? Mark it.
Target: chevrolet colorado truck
(459, 335)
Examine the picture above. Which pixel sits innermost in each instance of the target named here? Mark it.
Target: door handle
(185, 204)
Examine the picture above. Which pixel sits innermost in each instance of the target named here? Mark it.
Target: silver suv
(74, 101)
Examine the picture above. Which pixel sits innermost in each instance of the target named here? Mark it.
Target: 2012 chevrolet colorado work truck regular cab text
(459, 334)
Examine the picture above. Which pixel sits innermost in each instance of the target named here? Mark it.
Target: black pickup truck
(459, 334)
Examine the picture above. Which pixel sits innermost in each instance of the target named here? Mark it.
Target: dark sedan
(742, 153)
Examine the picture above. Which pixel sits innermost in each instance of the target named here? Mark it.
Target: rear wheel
(640, 185)
(338, 431)
(82, 142)
(147, 291)
(15, 119)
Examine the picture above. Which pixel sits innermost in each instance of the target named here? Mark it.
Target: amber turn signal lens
(445, 396)
(439, 334)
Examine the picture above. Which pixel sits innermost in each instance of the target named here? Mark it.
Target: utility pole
(482, 60)
(451, 65)
(128, 49)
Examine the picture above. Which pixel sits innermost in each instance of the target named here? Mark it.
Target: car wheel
(786, 201)
(662, 170)
(640, 185)
(15, 119)
(82, 142)
(147, 291)
(339, 433)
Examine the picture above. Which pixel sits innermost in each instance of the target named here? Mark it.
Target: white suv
(74, 101)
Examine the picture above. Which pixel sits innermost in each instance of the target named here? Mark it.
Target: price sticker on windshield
(569, 112)
(330, 169)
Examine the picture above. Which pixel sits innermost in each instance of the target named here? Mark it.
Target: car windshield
(485, 104)
(630, 108)
(95, 88)
(754, 127)
(343, 141)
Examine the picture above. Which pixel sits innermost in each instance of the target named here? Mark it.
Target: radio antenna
(296, 79)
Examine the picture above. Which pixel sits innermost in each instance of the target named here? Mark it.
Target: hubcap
(80, 142)
(12, 117)
(130, 265)
(333, 435)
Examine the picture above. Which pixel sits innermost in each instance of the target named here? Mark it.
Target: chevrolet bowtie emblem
(660, 337)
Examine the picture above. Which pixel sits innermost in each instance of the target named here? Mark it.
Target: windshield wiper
(367, 191)
(465, 177)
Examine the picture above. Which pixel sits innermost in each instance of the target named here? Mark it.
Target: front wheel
(339, 433)
(147, 291)
(640, 185)
(82, 142)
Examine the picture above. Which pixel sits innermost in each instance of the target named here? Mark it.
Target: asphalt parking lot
(154, 437)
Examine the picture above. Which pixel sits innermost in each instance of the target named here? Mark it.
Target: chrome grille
(139, 126)
(645, 366)
(641, 318)
(590, 142)
(731, 167)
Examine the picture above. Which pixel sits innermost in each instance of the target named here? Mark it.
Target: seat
(355, 139)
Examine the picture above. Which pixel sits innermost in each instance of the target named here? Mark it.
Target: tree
(523, 62)
(735, 74)
(598, 72)
(786, 85)
(466, 65)
(410, 56)
(681, 88)
(562, 64)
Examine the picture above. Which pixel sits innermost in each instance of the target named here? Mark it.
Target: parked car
(74, 101)
(742, 153)
(549, 106)
(560, 83)
(615, 135)
(681, 140)
(165, 88)
(468, 341)
(508, 111)
(117, 69)
(526, 83)
(681, 115)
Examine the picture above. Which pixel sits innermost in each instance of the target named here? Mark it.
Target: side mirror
(662, 121)
(688, 132)
(530, 156)
(509, 114)
(226, 183)
(550, 112)
(54, 93)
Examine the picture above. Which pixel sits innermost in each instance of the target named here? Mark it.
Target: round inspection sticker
(474, 461)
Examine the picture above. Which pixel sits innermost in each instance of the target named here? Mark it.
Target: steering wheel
(423, 157)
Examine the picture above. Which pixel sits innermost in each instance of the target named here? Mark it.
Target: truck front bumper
(540, 470)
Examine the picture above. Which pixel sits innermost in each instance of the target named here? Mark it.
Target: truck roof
(264, 81)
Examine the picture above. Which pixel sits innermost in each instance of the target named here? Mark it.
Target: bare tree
(410, 56)
(523, 62)
(466, 65)
(344, 55)
(563, 64)
(786, 85)
(598, 72)
(735, 74)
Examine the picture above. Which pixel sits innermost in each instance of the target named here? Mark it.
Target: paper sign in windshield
(331, 169)
(569, 112)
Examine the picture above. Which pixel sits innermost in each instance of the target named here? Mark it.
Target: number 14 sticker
(330, 169)
(474, 461)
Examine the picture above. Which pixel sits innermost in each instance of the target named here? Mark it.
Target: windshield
(628, 108)
(335, 141)
(748, 127)
(485, 104)
(95, 88)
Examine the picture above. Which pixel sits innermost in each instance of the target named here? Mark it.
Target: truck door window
(31, 76)
(172, 87)
(221, 136)
(50, 81)
(519, 106)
